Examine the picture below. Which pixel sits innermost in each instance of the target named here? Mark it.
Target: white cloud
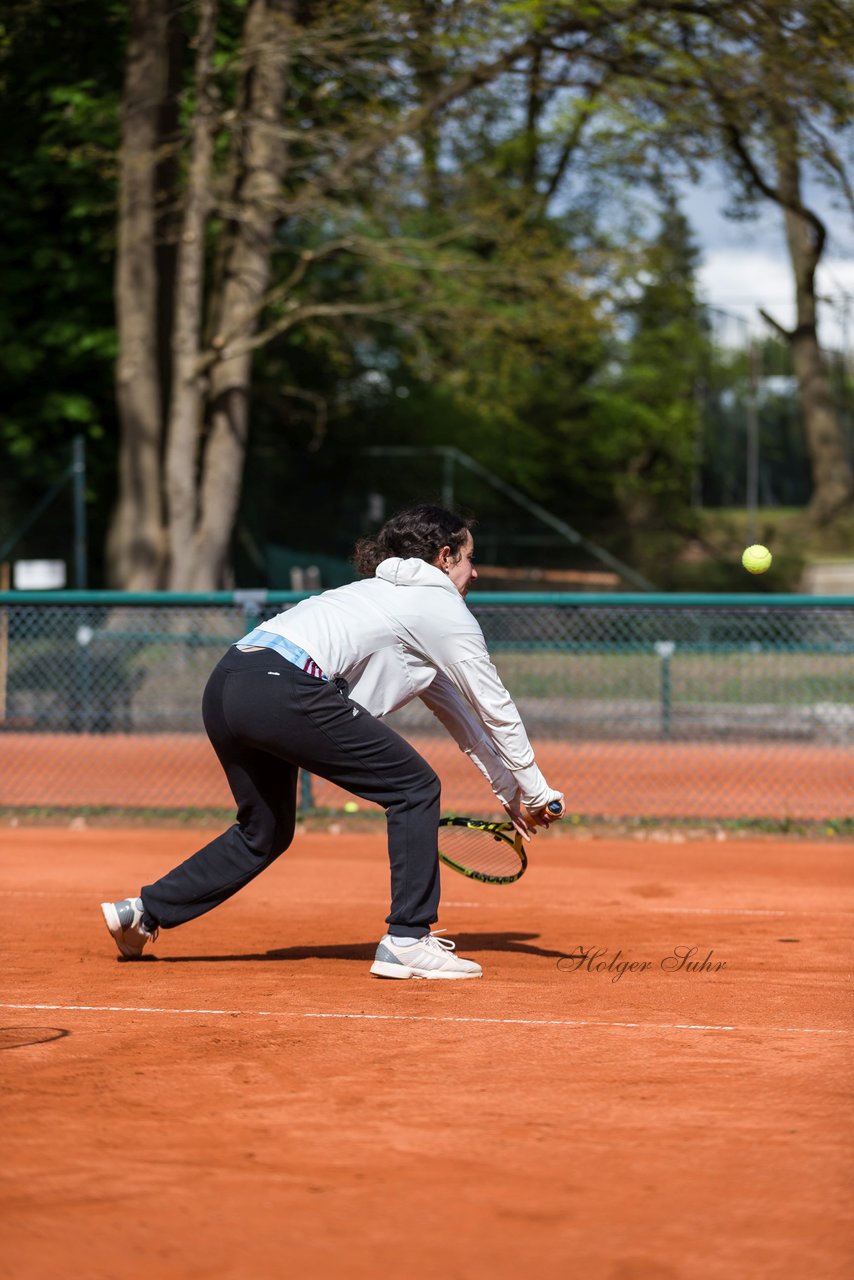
(745, 263)
(740, 280)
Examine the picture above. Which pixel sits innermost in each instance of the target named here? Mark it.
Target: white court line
(612, 909)
(724, 911)
(424, 1017)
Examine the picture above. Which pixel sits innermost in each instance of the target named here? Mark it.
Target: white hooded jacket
(407, 633)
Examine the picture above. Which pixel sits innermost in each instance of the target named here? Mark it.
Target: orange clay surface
(621, 778)
(251, 1104)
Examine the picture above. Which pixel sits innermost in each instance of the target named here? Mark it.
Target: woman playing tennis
(308, 688)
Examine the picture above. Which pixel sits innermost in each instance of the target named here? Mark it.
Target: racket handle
(549, 812)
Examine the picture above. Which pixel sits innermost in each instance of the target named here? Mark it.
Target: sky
(745, 265)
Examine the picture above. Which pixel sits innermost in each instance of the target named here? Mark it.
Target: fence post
(253, 602)
(4, 640)
(82, 719)
(78, 477)
(665, 649)
(306, 796)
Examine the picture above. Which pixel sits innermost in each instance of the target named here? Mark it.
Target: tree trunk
(169, 182)
(135, 544)
(186, 401)
(199, 564)
(832, 478)
(532, 126)
(214, 319)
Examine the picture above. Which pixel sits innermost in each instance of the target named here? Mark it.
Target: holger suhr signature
(682, 959)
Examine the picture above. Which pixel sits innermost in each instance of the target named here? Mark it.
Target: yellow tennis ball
(756, 559)
(351, 807)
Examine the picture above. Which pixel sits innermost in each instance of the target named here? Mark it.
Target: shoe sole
(114, 924)
(382, 969)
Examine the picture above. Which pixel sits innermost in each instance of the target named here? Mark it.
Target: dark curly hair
(419, 532)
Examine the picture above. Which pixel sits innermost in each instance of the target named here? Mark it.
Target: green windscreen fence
(638, 706)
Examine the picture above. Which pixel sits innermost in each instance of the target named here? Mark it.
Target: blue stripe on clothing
(272, 640)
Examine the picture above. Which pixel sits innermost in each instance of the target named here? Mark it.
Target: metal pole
(752, 441)
(448, 480)
(700, 399)
(845, 381)
(306, 793)
(665, 650)
(78, 480)
(4, 640)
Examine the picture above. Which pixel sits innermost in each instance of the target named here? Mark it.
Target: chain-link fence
(705, 707)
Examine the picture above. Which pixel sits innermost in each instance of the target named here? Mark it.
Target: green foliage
(59, 82)
(524, 312)
(634, 450)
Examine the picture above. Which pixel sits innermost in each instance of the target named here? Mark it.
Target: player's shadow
(467, 943)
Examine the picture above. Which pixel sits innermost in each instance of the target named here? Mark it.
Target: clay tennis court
(252, 1104)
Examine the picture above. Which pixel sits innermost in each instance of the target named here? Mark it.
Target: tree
(765, 86)
(244, 181)
(833, 477)
(59, 87)
(653, 394)
(434, 187)
(790, 116)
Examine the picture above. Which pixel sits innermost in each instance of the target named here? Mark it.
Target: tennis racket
(487, 851)
(492, 852)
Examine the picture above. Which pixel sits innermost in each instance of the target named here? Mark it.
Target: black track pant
(267, 719)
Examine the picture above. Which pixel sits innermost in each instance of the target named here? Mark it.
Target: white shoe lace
(437, 943)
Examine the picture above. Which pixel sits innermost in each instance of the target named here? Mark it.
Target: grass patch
(779, 677)
(370, 820)
(112, 816)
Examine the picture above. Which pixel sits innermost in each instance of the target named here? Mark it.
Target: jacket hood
(414, 573)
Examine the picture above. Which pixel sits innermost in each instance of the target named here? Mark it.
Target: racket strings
(479, 850)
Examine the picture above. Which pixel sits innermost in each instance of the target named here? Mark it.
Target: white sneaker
(427, 957)
(124, 921)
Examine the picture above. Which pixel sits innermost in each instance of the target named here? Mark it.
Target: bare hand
(521, 819)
